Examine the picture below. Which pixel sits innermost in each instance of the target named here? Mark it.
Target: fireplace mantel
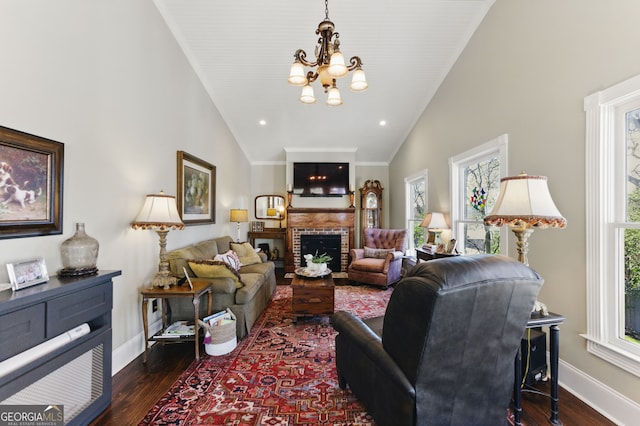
(317, 219)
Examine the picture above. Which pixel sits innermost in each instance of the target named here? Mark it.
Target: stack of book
(177, 330)
(429, 248)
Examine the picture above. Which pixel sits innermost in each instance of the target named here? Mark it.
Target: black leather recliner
(443, 353)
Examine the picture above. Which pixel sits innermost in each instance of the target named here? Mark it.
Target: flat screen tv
(321, 179)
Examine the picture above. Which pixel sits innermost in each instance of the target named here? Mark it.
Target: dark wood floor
(137, 387)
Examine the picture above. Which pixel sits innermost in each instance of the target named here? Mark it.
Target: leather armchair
(443, 353)
(372, 265)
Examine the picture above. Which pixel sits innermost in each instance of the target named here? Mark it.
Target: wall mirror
(269, 207)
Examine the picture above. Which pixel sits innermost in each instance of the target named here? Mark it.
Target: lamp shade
(525, 201)
(434, 220)
(158, 212)
(272, 212)
(238, 215)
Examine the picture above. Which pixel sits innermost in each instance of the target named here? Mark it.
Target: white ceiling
(242, 51)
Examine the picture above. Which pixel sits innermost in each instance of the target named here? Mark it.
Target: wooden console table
(270, 234)
(199, 288)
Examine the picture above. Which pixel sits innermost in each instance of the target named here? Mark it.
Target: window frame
(605, 221)
(408, 181)
(457, 164)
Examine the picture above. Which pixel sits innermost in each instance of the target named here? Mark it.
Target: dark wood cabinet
(35, 318)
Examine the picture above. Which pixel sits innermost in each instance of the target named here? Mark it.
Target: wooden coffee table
(312, 296)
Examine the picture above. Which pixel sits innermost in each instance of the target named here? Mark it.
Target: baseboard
(131, 349)
(605, 400)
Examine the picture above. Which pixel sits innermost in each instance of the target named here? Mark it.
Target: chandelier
(330, 66)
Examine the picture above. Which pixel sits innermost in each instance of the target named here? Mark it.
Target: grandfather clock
(371, 205)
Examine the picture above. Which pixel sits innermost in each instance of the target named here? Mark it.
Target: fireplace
(319, 222)
(331, 244)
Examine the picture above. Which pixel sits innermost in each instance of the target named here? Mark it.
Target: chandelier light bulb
(334, 98)
(307, 95)
(337, 68)
(359, 81)
(296, 74)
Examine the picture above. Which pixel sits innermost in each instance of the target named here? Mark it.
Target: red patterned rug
(280, 374)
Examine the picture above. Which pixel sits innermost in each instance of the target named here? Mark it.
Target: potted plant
(317, 263)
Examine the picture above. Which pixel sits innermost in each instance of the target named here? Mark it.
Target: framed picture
(26, 274)
(31, 173)
(196, 190)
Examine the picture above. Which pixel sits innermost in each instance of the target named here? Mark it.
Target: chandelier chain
(326, 9)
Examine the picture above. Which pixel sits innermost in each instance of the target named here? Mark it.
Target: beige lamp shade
(158, 212)
(434, 220)
(238, 215)
(525, 201)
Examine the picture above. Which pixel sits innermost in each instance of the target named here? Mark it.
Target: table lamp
(159, 213)
(435, 223)
(238, 216)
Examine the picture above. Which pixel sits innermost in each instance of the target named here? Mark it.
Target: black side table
(537, 321)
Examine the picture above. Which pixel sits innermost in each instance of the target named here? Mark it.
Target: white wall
(526, 72)
(108, 80)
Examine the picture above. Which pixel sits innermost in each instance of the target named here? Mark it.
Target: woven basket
(221, 333)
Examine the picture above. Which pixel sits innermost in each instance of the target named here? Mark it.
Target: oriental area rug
(280, 374)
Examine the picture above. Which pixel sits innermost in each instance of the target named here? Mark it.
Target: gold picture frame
(196, 197)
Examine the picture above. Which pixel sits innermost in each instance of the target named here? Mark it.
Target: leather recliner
(443, 353)
(380, 261)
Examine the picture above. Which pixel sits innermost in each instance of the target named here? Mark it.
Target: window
(613, 224)
(416, 196)
(475, 185)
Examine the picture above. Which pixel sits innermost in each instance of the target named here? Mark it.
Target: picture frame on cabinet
(28, 273)
(196, 194)
(31, 175)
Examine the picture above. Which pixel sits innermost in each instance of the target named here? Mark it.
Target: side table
(426, 256)
(199, 288)
(537, 321)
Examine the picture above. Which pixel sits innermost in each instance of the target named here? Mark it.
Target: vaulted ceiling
(242, 50)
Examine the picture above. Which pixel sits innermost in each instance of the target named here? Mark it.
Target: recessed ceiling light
(262, 122)
(383, 123)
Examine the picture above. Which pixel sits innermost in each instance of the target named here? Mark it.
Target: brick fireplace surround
(318, 221)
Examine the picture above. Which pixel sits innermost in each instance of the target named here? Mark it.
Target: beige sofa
(246, 302)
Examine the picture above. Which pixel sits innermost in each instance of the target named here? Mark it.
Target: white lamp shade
(525, 201)
(238, 215)
(333, 98)
(297, 76)
(434, 220)
(307, 95)
(158, 212)
(359, 81)
(337, 68)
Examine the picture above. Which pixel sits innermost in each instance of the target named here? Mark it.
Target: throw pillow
(215, 269)
(246, 253)
(230, 258)
(377, 253)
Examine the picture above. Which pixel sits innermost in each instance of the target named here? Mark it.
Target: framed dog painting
(31, 173)
(196, 190)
